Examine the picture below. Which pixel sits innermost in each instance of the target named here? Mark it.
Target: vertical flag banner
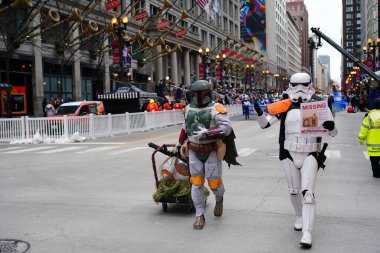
(201, 71)
(127, 56)
(253, 23)
(116, 52)
(211, 7)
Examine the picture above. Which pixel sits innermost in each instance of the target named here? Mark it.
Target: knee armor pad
(294, 191)
(308, 197)
(215, 183)
(197, 180)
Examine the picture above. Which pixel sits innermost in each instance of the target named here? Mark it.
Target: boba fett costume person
(206, 124)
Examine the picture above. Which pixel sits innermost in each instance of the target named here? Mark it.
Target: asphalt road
(96, 196)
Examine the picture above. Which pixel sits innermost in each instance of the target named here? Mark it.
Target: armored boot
(218, 210)
(296, 200)
(199, 223)
(308, 216)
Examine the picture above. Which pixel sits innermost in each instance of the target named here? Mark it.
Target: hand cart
(187, 201)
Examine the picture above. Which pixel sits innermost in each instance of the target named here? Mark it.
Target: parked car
(80, 108)
(55, 123)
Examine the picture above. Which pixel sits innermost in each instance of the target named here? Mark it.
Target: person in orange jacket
(152, 106)
(177, 105)
(166, 105)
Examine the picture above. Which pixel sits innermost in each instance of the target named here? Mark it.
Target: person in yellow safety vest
(370, 132)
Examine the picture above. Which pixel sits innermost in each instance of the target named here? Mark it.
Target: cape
(231, 152)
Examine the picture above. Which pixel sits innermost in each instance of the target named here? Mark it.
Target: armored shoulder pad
(220, 108)
(279, 107)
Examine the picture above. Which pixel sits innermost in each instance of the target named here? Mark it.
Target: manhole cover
(13, 246)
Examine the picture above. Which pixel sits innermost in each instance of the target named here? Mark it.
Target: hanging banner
(181, 33)
(225, 51)
(116, 52)
(112, 4)
(127, 54)
(207, 71)
(201, 71)
(253, 23)
(163, 25)
(141, 15)
(218, 73)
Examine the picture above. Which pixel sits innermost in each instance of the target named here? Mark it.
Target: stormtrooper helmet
(300, 87)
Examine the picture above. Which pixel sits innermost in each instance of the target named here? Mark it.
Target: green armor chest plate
(196, 119)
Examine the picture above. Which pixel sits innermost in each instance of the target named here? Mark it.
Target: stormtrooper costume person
(205, 123)
(298, 153)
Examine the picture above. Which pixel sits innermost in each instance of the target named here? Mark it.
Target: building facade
(369, 21)
(294, 58)
(298, 11)
(325, 59)
(352, 36)
(276, 31)
(64, 60)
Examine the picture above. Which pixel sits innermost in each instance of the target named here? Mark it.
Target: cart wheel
(165, 207)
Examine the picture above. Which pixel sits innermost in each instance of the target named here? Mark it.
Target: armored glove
(200, 134)
(257, 107)
(329, 125)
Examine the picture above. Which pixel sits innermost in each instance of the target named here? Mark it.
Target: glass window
(69, 85)
(53, 84)
(46, 84)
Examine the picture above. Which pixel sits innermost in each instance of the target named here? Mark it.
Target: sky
(327, 15)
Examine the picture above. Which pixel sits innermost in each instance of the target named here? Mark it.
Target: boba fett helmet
(202, 93)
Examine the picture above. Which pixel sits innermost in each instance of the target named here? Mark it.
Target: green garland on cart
(174, 189)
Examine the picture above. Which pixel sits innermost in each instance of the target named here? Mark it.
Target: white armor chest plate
(294, 141)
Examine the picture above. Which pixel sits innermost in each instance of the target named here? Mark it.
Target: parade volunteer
(370, 133)
(300, 154)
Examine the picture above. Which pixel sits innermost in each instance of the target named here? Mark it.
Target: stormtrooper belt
(202, 148)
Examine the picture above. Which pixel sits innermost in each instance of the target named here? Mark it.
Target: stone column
(164, 66)
(186, 67)
(179, 68)
(77, 73)
(106, 77)
(174, 68)
(38, 76)
(197, 61)
(158, 68)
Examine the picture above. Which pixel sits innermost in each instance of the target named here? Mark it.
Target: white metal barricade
(91, 126)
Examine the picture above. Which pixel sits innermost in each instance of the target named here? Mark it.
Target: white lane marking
(272, 136)
(99, 143)
(11, 148)
(60, 150)
(365, 153)
(333, 154)
(247, 151)
(27, 150)
(128, 150)
(94, 150)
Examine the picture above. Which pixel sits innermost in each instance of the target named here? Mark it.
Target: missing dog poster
(313, 115)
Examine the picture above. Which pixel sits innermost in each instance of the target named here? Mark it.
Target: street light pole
(204, 55)
(265, 72)
(120, 26)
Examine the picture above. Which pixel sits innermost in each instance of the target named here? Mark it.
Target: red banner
(201, 71)
(181, 33)
(115, 52)
(225, 51)
(112, 4)
(161, 26)
(141, 15)
(218, 73)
